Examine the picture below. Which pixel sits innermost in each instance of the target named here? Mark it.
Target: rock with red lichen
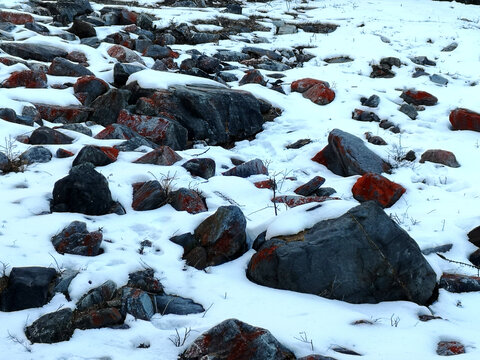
(91, 86)
(46, 136)
(458, 283)
(63, 114)
(107, 107)
(16, 18)
(377, 188)
(236, 340)
(163, 155)
(187, 200)
(26, 78)
(202, 167)
(443, 157)
(124, 55)
(464, 119)
(448, 348)
(252, 77)
(303, 85)
(148, 195)
(77, 240)
(319, 94)
(347, 155)
(63, 67)
(96, 155)
(357, 271)
(418, 98)
(51, 328)
(292, 201)
(63, 153)
(160, 130)
(96, 319)
(137, 303)
(265, 184)
(310, 187)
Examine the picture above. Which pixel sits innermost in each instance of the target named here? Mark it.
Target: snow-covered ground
(440, 206)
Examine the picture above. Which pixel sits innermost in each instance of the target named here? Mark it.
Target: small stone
(97, 296)
(137, 303)
(163, 155)
(202, 167)
(452, 46)
(372, 101)
(423, 60)
(168, 304)
(447, 348)
(96, 155)
(75, 239)
(252, 77)
(409, 110)
(36, 154)
(437, 79)
(252, 167)
(457, 283)
(418, 98)
(378, 188)
(187, 200)
(310, 187)
(440, 157)
(148, 196)
(51, 328)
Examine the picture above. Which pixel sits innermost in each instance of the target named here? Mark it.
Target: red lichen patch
(62, 153)
(419, 98)
(111, 152)
(443, 157)
(128, 17)
(464, 119)
(153, 128)
(124, 54)
(131, 28)
(447, 348)
(68, 114)
(265, 254)
(78, 57)
(163, 155)
(293, 201)
(378, 188)
(27, 78)
(9, 61)
(15, 18)
(265, 184)
(319, 94)
(321, 158)
(303, 85)
(252, 77)
(189, 201)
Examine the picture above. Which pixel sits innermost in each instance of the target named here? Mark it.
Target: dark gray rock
(409, 110)
(169, 304)
(121, 72)
(47, 136)
(249, 168)
(438, 79)
(84, 191)
(36, 154)
(65, 11)
(202, 167)
(235, 339)
(137, 303)
(423, 60)
(82, 29)
(158, 52)
(4, 162)
(108, 106)
(187, 200)
(271, 65)
(450, 47)
(90, 88)
(148, 196)
(31, 51)
(310, 187)
(96, 155)
(80, 128)
(76, 239)
(97, 296)
(391, 61)
(258, 53)
(38, 28)
(63, 67)
(372, 101)
(361, 257)
(326, 191)
(437, 249)
(145, 280)
(230, 55)
(187, 241)
(135, 143)
(51, 328)
(347, 155)
(28, 287)
(203, 38)
(62, 283)
(458, 283)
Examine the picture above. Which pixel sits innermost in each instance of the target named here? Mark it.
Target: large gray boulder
(361, 257)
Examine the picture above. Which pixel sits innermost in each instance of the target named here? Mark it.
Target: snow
(440, 205)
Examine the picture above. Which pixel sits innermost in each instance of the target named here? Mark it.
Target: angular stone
(202, 167)
(96, 155)
(163, 155)
(377, 188)
(362, 115)
(82, 29)
(63, 114)
(36, 154)
(259, 52)
(66, 10)
(233, 339)
(26, 78)
(117, 131)
(464, 119)
(63, 67)
(91, 86)
(97, 296)
(187, 241)
(310, 187)
(319, 94)
(84, 191)
(423, 60)
(347, 155)
(474, 236)
(28, 287)
(148, 196)
(96, 319)
(31, 51)
(409, 110)
(75, 239)
(16, 18)
(187, 200)
(443, 157)
(168, 304)
(372, 101)
(107, 107)
(80, 128)
(304, 84)
(361, 257)
(382, 71)
(457, 283)
(124, 55)
(418, 98)
(158, 52)
(160, 130)
(51, 328)
(249, 168)
(46, 136)
(121, 72)
(146, 281)
(137, 303)
(252, 77)
(438, 79)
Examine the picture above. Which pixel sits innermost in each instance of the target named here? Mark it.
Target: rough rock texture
(236, 340)
(75, 239)
(107, 107)
(31, 51)
(457, 283)
(168, 304)
(160, 130)
(26, 78)
(310, 187)
(27, 287)
(148, 196)
(63, 67)
(448, 348)
(146, 281)
(88, 88)
(96, 155)
(215, 115)
(464, 119)
(347, 155)
(46, 136)
(36, 154)
(15, 17)
(361, 257)
(202, 167)
(95, 319)
(124, 55)
(377, 188)
(163, 155)
(317, 91)
(51, 328)
(292, 200)
(63, 114)
(249, 168)
(187, 200)
(443, 157)
(419, 98)
(83, 190)
(97, 296)
(137, 303)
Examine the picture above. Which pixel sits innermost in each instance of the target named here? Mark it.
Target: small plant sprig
(179, 340)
